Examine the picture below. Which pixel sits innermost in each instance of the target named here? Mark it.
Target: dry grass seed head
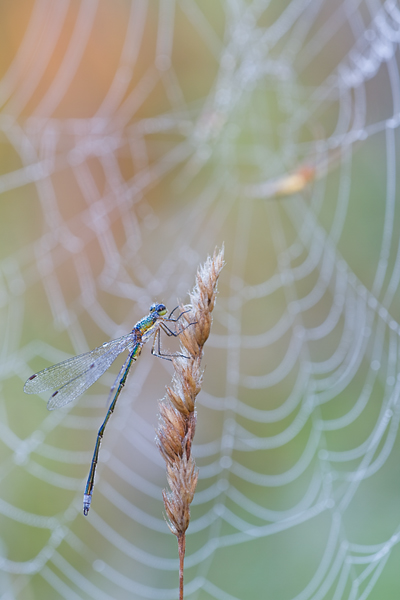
(177, 411)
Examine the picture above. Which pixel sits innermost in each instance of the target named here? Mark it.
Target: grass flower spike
(177, 419)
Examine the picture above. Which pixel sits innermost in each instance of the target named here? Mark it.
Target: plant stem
(181, 550)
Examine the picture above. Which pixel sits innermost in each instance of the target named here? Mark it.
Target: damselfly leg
(169, 332)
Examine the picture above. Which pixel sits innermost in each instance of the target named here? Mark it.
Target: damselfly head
(160, 309)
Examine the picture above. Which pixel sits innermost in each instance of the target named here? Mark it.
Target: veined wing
(74, 376)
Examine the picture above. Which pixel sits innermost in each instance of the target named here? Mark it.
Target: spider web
(135, 137)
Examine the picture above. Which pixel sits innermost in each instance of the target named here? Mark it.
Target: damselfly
(72, 377)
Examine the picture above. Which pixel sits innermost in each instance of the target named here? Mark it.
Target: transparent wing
(74, 376)
(71, 390)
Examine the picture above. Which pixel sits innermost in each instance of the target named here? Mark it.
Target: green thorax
(146, 323)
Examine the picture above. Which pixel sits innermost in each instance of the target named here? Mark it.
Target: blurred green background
(135, 137)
